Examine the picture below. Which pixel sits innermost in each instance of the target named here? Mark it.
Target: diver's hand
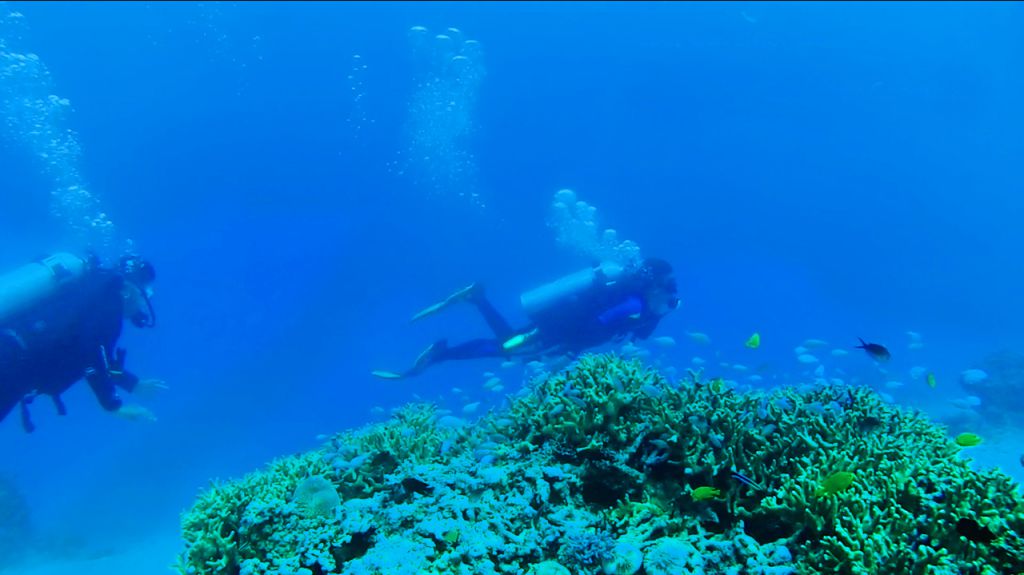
(135, 413)
(117, 362)
(149, 387)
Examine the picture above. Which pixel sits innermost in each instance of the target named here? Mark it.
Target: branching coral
(593, 470)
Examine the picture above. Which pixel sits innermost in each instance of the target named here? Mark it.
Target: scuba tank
(33, 283)
(539, 300)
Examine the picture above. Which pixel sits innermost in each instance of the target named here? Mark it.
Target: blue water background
(812, 170)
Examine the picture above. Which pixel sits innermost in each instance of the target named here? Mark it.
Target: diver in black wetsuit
(586, 309)
(60, 320)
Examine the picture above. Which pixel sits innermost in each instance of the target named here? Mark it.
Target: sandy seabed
(152, 555)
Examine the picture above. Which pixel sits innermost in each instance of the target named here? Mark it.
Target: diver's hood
(145, 315)
(139, 274)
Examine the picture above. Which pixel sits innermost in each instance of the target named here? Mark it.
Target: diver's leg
(463, 294)
(473, 349)
(59, 404)
(428, 357)
(13, 386)
(9, 398)
(502, 330)
(439, 352)
(26, 417)
(473, 293)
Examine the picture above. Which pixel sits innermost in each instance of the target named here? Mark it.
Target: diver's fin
(423, 361)
(464, 294)
(384, 374)
(429, 355)
(430, 310)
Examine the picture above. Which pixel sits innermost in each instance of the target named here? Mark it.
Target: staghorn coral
(591, 470)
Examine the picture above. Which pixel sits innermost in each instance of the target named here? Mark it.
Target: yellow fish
(838, 481)
(931, 380)
(968, 440)
(704, 493)
(717, 385)
(754, 342)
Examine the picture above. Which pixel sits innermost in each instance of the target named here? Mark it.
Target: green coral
(611, 447)
(282, 515)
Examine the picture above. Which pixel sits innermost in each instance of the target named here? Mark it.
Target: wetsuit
(602, 314)
(71, 336)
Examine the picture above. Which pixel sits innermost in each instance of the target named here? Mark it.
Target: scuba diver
(60, 319)
(586, 309)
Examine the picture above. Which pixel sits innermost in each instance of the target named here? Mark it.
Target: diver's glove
(148, 388)
(135, 413)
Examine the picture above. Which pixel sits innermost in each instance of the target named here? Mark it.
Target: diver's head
(139, 276)
(659, 286)
(137, 270)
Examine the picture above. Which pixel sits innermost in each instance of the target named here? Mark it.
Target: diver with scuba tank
(60, 319)
(597, 305)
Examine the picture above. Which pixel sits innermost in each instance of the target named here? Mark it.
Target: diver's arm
(103, 387)
(629, 307)
(130, 382)
(102, 383)
(121, 377)
(126, 380)
(105, 381)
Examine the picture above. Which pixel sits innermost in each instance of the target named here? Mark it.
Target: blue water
(811, 170)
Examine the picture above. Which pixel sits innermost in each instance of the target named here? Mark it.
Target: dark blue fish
(876, 351)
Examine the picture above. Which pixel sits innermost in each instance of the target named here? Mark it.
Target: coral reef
(593, 471)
